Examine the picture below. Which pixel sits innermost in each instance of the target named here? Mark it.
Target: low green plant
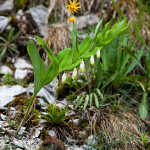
(144, 138)
(8, 45)
(55, 115)
(68, 59)
(143, 81)
(113, 69)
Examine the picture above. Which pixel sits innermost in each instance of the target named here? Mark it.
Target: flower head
(98, 53)
(63, 78)
(92, 60)
(74, 74)
(82, 67)
(73, 7)
(72, 19)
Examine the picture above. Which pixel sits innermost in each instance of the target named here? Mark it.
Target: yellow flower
(72, 19)
(73, 7)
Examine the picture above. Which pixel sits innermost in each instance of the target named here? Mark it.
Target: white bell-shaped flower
(56, 84)
(63, 78)
(82, 67)
(74, 74)
(92, 60)
(98, 54)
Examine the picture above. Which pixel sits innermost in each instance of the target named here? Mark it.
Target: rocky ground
(83, 130)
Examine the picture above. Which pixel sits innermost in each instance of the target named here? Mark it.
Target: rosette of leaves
(55, 115)
(69, 58)
(8, 45)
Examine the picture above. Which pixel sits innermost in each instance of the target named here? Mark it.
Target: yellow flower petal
(73, 6)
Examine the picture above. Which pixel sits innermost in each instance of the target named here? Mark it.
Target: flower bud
(63, 78)
(82, 67)
(92, 60)
(56, 85)
(74, 74)
(72, 19)
(98, 54)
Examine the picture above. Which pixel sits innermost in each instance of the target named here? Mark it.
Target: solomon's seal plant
(69, 58)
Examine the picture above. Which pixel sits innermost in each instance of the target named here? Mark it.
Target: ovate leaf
(143, 109)
(98, 75)
(75, 52)
(50, 55)
(38, 65)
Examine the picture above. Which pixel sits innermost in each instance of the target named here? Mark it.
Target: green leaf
(93, 44)
(133, 64)
(91, 98)
(143, 109)
(80, 101)
(50, 55)
(10, 33)
(96, 100)
(102, 35)
(98, 75)
(109, 80)
(2, 39)
(86, 101)
(75, 52)
(38, 65)
(136, 60)
(2, 52)
(100, 94)
(64, 58)
(15, 37)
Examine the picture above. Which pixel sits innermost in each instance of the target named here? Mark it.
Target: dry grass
(132, 11)
(58, 38)
(122, 129)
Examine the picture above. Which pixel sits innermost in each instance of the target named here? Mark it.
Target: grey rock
(3, 23)
(76, 121)
(60, 105)
(18, 143)
(38, 16)
(47, 93)
(22, 130)
(42, 103)
(91, 140)
(21, 74)
(82, 134)
(3, 117)
(22, 64)
(52, 133)
(37, 133)
(85, 21)
(8, 93)
(71, 141)
(88, 147)
(74, 147)
(6, 7)
(23, 68)
(5, 70)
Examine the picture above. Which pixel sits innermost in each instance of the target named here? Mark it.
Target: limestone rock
(38, 16)
(5, 70)
(6, 7)
(8, 93)
(23, 68)
(3, 23)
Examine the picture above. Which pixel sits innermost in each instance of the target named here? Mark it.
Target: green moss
(21, 3)
(20, 102)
